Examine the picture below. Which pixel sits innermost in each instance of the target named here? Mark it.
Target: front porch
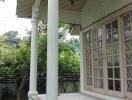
(105, 46)
(80, 96)
(70, 96)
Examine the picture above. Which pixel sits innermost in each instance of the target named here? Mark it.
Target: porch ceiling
(24, 7)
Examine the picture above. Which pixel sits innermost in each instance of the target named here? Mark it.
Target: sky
(9, 20)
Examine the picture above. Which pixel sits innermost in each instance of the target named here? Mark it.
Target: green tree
(11, 38)
(17, 60)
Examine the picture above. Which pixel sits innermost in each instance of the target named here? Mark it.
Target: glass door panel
(87, 43)
(112, 53)
(127, 28)
(97, 58)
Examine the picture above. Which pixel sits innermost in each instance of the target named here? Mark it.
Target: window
(109, 56)
(88, 58)
(127, 25)
(97, 58)
(112, 49)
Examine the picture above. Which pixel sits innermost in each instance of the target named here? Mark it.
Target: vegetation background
(15, 54)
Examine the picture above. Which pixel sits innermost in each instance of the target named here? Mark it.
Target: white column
(33, 62)
(52, 51)
(81, 64)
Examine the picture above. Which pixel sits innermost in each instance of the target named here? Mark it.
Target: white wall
(96, 9)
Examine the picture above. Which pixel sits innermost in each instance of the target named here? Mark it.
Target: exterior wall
(97, 9)
(115, 16)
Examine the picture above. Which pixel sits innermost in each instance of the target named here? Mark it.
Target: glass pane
(100, 62)
(100, 43)
(116, 60)
(110, 73)
(95, 44)
(115, 37)
(108, 28)
(110, 85)
(117, 72)
(95, 53)
(89, 81)
(100, 72)
(101, 83)
(127, 32)
(109, 49)
(88, 36)
(109, 60)
(88, 45)
(129, 72)
(95, 35)
(100, 37)
(115, 49)
(88, 53)
(127, 26)
(129, 85)
(89, 72)
(95, 72)
(87, 40)
(96, 82)
(126, 20)
(129, 58)
(108, 38)
(114, 26)
(128, 45)
(100, 52)
(95, 63)
(88, 62)
(128, 49)
(117, 85)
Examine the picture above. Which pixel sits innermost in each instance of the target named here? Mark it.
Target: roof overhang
(70, 10)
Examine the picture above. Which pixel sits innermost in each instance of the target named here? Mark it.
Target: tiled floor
(76, 96)
(68, 97)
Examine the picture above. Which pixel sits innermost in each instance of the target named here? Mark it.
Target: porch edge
(100, 96)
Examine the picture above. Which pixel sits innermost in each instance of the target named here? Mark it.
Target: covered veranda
(77, 12)
(39, 10)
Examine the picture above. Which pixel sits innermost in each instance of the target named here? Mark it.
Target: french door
(97, 59)
(127, 37)
(88, 60)
(102, 64)
(113, 55)
(94, 68)
(108, 57)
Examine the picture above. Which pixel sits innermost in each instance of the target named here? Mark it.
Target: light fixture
(75, 29)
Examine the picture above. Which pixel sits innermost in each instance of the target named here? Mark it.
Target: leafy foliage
(15, 54)
(42, 53)
(11, 55)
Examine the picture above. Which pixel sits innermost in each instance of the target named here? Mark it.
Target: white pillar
(52, 51)
(81, 63)
(33, 62)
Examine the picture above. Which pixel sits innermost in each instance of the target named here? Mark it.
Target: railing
(4, 78)
(68, 82)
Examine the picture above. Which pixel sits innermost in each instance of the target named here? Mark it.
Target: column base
(31, 94)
